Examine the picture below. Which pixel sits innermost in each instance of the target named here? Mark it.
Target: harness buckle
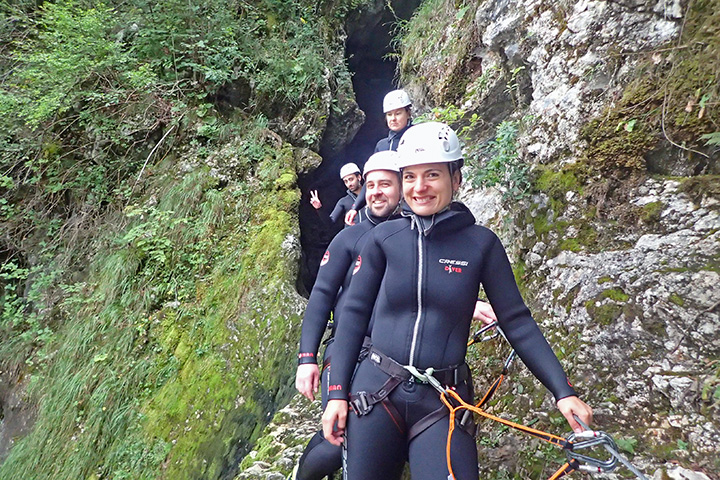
(359, 404)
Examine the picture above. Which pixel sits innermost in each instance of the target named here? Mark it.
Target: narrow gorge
(158, 245)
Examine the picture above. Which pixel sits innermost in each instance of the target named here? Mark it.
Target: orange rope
(463, 405)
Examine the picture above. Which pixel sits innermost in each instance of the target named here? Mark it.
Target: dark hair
(456, 166)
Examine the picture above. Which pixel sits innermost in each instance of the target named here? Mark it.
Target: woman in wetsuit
(417, 280)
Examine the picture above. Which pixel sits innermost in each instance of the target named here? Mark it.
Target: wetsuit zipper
(419, 296)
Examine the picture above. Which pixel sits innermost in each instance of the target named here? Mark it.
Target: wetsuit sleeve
(518, 325)
(333, 268)
(339, 211)
(360, 200)
(356, 313)
(381, 145)
(324, 216)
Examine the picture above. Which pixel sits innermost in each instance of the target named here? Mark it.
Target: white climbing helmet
(431, 142)
(385, 160)
(347, 169)
(396, 99)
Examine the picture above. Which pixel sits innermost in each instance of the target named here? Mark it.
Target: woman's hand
(484, 313)
(307, 380)
(573, 405)
(333, 421)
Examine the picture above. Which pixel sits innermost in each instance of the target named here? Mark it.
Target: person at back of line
(397, 108)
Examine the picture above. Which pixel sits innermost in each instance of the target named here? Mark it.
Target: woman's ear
(456, 180)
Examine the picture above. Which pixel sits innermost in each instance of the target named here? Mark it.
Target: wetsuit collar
(375, 220)
(427, 223)
(393, 135)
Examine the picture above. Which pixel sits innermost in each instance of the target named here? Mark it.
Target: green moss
(676, 299)
(615, 294)
(607, 313)
(651, 212)
(610, 149)
(557, 183)
(571, 244)
(664, 101)
(519, 271)
(542, 225)
(603, 314)
(604, 279)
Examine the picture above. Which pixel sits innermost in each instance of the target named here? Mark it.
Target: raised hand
(315, 200)
(350, 217)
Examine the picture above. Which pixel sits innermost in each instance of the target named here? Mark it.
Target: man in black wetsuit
(382, 182)
(350, 175)
(416, 282)
(398, 116)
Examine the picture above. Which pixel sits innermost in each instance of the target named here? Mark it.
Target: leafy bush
(498, 164)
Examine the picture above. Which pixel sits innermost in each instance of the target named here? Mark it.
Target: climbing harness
(572, 445)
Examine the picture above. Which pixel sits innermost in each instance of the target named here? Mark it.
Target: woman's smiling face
(429, 188)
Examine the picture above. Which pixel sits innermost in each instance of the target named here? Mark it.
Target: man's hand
(315, 200)
(333, 420)
(307, 380)
(350, 217)
(573, 405)
(484, 313)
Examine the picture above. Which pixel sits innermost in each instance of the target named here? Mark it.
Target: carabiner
(586, 440)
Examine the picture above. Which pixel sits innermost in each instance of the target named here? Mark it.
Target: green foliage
(626, 444)
(495, 165)
(90, 91)
(151, 306)
(171, 334)
(502, 168)
(711, 138)
(455, 117)
(22, 326)
(73, 45)
(423, 44)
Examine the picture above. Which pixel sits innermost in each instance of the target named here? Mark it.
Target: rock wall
(625, 281)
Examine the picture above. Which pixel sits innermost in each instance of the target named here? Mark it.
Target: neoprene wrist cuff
(305, 358)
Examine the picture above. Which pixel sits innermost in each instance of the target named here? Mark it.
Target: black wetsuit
(392, 140)
(320, 457)
(417, 281)
(388, 143)
(337, 216)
